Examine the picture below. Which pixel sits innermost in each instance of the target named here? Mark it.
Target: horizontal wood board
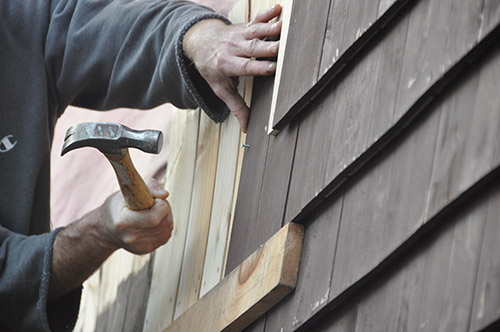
(261, 281)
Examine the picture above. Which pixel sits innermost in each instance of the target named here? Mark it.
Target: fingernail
(270, 67)
(275, 48)
(161, 191)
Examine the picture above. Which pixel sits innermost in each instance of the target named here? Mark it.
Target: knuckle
(220, 60)
(252, 46)
(132, 241)
(252, 30)
(247, 66)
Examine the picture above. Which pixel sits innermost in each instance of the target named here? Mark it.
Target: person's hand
(139, 232)
(223, 52)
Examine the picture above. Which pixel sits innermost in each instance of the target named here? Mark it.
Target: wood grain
(439, 35)
(225, 182)
(379, 224)
(261, 281)
(373, 223)
(380, 136)
(313, 284)
(365, 21)
(179, 183)
(354, 111)
(302, 43)
(429, 288)
(199, 215)
(245, 215)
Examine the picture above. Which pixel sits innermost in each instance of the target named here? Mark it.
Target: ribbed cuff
(198, 87)
(61, 313)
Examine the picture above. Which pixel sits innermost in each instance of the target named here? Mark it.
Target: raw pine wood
(115, 290)
(227, 164)
(199, 215)
(89, 304)
(179, 183)
(260, 282)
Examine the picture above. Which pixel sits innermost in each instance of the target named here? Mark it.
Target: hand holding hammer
(81, 247)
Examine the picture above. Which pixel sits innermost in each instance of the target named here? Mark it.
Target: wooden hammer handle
(134, 190)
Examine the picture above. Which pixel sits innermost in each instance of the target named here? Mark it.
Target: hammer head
(111, 138)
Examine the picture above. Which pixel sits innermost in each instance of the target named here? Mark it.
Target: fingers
(156, 189)
(261, 30)
(268, 14)
(241, 66)
(236, 104)
(257, 48)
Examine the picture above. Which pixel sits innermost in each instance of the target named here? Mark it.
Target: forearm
(78, 251)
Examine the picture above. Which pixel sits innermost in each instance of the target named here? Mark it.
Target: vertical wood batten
(199, 215)
(225, 183)
(179, 183)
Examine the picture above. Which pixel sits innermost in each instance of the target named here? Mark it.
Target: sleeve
(105, 54)
(25, 265)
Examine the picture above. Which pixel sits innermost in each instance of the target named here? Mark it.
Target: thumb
(156, 189)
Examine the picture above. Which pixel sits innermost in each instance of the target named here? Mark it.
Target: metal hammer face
(111, 138)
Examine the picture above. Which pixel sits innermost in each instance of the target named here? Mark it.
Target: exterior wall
(388, 153)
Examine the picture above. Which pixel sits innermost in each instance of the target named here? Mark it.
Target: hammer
(113, 140)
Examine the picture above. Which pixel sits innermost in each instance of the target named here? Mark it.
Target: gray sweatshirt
(99, 54)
